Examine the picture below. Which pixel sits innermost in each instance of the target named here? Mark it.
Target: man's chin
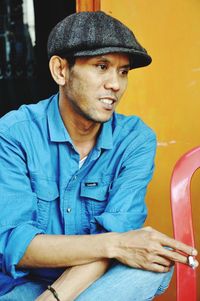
(101, 120)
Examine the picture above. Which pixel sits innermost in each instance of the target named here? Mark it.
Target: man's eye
(101, 66)
(124, 72)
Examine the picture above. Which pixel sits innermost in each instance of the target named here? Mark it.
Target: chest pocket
(95, 195)
(46, 192)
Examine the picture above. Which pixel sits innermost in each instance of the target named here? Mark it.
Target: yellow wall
(166, 94)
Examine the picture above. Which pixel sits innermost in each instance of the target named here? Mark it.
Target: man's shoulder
(133, 125)
(24, 116)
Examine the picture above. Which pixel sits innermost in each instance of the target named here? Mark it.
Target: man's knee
(143, 284)
(121, 282)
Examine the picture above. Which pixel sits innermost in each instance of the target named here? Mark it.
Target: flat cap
(95, 33)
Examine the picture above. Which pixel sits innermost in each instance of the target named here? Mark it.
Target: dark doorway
(24, 71)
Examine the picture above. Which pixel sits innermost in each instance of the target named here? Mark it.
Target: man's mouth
(108, 101)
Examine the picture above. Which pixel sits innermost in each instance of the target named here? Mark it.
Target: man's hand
(151, 250)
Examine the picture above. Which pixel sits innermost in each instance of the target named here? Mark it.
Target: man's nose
(112, 82)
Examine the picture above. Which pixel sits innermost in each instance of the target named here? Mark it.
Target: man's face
(96, 85)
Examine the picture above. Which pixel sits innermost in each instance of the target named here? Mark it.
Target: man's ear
(59, 69)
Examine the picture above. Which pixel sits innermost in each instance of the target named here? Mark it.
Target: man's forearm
(141, 248)
(54, 251)
(75, 280)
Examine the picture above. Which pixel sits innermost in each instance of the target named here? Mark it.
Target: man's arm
(144, 248)
(75, 280)
(126, 208)
(65, 250)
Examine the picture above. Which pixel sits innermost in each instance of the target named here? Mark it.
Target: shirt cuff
(17, 244)
(117, 222)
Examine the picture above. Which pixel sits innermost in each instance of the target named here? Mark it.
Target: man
(74, 176)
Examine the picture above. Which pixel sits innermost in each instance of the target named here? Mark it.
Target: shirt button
(75, 177)
(69, 210)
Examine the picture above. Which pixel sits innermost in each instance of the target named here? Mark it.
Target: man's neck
(83, 135)
(83, 132)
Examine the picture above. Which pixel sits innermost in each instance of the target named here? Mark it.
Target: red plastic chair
(186, 278)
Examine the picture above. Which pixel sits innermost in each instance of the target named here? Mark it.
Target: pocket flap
(93, 191)
(45, 189)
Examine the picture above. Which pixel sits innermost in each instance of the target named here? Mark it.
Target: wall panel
(166, 94)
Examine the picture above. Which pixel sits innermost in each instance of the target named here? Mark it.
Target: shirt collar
(105, 139)
(58, 132)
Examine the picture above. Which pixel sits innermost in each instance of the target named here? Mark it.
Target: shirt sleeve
(18, 207)
(126, 209)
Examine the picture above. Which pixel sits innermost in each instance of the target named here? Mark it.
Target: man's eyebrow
(105, 60)
(128, 66)
(102, 59)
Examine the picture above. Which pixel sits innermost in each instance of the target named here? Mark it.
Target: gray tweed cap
(95, 33)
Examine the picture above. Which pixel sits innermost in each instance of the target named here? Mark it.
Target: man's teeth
(107, 101)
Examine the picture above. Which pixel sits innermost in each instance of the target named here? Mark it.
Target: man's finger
(162, 261)
(174, 256)
(177, 245)
(158, 268)
(169, 242)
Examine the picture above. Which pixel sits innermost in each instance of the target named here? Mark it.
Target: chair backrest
(182, 219)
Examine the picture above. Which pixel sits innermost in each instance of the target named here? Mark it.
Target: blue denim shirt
(43, 190)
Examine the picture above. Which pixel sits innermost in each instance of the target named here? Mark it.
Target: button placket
(69, 205)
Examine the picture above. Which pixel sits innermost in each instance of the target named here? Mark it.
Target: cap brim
(137, 58)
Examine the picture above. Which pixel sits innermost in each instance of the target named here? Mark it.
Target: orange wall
(166, 94)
